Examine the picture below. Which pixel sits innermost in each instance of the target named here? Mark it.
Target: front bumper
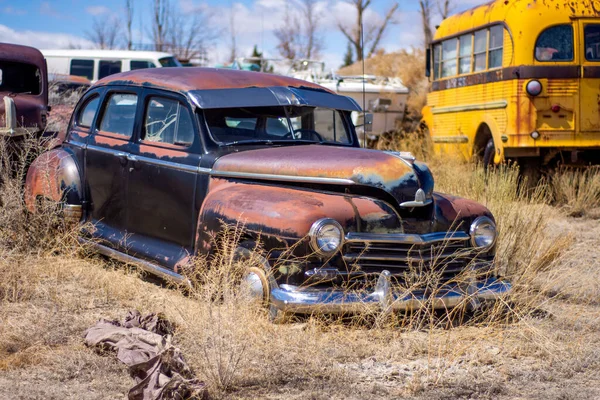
(385, 297)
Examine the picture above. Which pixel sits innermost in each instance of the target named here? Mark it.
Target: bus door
(589, 98)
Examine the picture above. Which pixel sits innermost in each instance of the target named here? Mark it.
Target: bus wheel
(488, 154)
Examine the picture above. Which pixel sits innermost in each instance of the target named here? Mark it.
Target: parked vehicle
(23, 89)
(97, 64)
(517, 80)
(158, 159)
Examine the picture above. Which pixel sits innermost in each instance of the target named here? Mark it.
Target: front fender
(54, 175)
(287, 213)
(456, 213)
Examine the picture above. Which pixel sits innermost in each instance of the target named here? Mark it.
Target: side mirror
(428, 62)
(368, 122)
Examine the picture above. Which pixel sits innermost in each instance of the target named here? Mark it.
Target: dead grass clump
(577, 191)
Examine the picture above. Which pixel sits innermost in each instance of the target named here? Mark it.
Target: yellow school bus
(517, 79)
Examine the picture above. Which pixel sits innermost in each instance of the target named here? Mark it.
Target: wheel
(488, 154)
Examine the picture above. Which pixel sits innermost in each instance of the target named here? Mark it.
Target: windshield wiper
(270, 142)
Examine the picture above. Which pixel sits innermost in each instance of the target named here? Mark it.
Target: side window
(119, 114)
(495, 46)
(555, 44)
(168, 121)
(83, 68)
(88, 112)
(464, 61)
(108, 68)
(449, 58)
(329, 124)
(437, 56)
(480, 51)
(138, 64)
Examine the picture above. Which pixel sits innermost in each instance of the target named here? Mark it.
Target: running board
(149, 267)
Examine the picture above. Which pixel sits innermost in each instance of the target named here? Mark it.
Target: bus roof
(109, 54)
(519, 13)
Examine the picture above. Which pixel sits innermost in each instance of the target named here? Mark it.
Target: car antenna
(362, 57)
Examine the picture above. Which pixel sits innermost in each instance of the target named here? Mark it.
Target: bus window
(555, 44)
(83, 68)
(495, 47)
(108, 68)
(437, 56)
(480, 51)
(449, 57)
(138, 64)
(464, 61)
(592, 42)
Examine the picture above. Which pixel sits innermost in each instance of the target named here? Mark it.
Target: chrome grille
(403, 255)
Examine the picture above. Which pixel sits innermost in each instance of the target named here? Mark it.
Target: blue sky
(59, 23)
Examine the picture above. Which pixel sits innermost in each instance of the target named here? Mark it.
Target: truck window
(555, 44)
(83, 68)
(19, 78)
(108, 68)
(139, 64)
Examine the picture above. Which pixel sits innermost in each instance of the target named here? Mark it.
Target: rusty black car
(158, 159)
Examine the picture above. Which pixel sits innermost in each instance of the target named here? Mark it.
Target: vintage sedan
(158, 159)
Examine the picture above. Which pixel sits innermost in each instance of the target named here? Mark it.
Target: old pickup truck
(158, 159)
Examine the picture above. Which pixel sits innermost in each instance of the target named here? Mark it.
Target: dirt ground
(554, 354)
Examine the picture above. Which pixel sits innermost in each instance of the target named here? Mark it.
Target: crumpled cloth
(144, 345)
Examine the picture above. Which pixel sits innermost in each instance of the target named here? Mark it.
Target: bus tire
(488, 154)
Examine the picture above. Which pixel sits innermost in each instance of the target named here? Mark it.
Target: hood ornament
(420, 200)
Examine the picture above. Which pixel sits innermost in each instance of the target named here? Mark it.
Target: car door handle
(122, 158)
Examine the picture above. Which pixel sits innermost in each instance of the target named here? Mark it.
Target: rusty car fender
(456, 213)
(54, 176)
(285, 214)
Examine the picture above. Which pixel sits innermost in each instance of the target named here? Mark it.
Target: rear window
(83, 68)
(169, 62)
(108, 68)
(20, 78)
(555, 44)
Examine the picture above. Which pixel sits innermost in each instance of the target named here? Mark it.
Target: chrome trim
(405, 238)
(169, 164)
(105, 150)
(475, 224)
(405, 156)
(385, 297)
(450, 139)
(275, 177)
(420, 200)
(144, 265)
(72, 212)
(493, 105)
(78, 144)
(314, 230)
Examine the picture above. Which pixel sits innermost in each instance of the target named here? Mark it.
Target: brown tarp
(144, 345)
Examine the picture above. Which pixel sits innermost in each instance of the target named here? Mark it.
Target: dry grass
(578, 191)
(541, 343)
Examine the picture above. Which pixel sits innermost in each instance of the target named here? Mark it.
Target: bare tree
(105, 33)
(189, 34)
(299, 36)
(445, 7)
(426, 10)
(160, 23)
(366, 36)
(128, 22)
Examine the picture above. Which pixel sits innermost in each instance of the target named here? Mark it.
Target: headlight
(483, 233)
(533, 88)
(326, 236)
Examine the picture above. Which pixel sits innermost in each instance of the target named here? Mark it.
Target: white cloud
(97, 10)
(43, 40)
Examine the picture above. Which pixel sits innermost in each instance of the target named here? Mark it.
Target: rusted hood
(398, 176)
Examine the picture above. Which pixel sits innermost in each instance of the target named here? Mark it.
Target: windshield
(268, 124)
(169, 62)
(19, 78)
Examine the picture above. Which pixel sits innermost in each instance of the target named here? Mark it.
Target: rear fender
(55, 176)
(284, 214)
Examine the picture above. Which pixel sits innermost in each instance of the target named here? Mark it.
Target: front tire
(489, 153)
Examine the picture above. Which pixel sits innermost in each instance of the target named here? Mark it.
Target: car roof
(184, 79)
(24, 54)
(115, 54)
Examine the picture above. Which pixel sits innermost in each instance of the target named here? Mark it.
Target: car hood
(396, 173)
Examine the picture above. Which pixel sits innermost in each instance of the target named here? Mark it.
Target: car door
(163, 180)
(106, 165)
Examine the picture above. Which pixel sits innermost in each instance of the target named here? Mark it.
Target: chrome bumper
(384, 297)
